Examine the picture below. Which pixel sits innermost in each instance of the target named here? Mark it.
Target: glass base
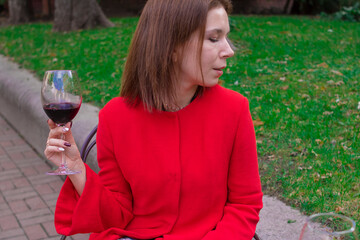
(63, 171)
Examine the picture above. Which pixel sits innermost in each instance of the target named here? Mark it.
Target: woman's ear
(177, 54)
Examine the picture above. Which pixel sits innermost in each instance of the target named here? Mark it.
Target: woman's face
(215, 51)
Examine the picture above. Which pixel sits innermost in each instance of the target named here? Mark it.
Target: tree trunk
(288, 6)
(18, 11)
(72, 15)
(45, 8)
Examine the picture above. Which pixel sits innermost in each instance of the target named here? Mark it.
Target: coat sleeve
(106, 200)
(244, 201)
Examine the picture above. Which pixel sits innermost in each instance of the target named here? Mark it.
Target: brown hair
(163, 26)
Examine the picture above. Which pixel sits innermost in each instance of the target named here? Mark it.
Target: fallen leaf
(337, 72)
(294, 154)
(313, 152)
(258, 122)
(327, 175)
(305, 96)
(350, 166)
(285, 88)
(327, 113)
(330, 82)
(339, 83)
(339, 209)
(323, 65)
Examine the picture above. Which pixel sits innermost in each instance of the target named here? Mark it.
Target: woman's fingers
(51, 124)
(61, 143)
(54, 145)
(56, 131)
(58, 143)
(49, 150)
(53, 153)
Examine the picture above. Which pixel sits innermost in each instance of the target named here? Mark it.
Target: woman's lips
(219, 71)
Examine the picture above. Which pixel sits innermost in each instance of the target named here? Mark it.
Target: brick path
(27, 196)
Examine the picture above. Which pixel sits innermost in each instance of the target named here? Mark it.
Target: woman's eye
(213, 39)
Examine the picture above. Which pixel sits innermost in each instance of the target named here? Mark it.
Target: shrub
(318, 6)
(351, 14)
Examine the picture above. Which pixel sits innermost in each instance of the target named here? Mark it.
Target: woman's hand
(55, 147)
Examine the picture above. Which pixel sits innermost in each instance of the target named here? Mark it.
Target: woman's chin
(211, 82)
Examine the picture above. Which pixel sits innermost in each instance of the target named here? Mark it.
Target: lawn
(301, 76)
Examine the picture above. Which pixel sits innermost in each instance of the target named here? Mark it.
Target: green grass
(301, 76)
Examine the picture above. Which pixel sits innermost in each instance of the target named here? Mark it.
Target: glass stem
(63, 157)
(63, 165)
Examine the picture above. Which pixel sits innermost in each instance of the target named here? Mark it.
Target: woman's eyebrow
(216, 30)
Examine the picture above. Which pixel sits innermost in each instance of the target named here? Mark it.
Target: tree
(288, 6)
(263, 6)
(18, 11)
(78, 14)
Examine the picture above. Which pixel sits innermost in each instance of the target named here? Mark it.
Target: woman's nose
(227, 51)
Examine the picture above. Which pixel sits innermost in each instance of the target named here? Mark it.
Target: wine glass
(61, 99)
(329, 226)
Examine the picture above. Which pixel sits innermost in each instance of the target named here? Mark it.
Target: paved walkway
(27, 195)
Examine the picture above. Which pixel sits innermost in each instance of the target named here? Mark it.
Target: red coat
(186, 175)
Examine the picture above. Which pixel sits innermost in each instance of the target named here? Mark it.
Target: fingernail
(67, 144)
(48, 121)
(65, 129)
(61, 149)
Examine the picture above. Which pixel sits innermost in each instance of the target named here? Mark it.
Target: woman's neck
(185, 95)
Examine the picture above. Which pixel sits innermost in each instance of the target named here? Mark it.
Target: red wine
(61, 113)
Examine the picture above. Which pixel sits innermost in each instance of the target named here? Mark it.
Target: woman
(177, 152)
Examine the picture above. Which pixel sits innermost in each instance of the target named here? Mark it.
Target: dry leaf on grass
(323, 65)
(258, 122)
(337, 72)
